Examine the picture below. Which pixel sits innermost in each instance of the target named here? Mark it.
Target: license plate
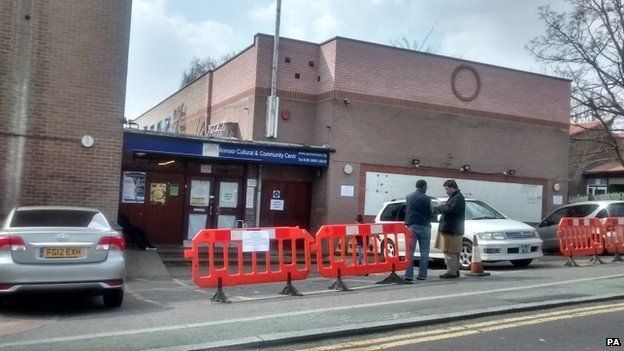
(525, 248)
(62, 252)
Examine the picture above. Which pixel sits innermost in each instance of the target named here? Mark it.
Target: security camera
(346, 102)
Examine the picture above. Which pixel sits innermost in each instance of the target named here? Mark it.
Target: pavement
(259, 317)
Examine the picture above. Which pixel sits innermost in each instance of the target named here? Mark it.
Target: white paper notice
(249, 198)
(254, 241)
(277, 205)
(557, 200)
(347, 190)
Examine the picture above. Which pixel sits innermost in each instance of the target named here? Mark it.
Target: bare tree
(197, 67)
(415, 45)
(586, 45)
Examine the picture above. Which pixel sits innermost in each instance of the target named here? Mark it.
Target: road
(579, 327)
(171, 313)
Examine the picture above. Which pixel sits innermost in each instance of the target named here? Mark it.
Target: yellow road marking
(468, 329)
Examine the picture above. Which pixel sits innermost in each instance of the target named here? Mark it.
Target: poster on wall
(133, 189)
(158, 192)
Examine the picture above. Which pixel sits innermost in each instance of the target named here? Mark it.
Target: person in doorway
(418, 212)
(451, 228)
(136, 234)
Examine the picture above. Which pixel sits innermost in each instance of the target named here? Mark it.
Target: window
(596, 189)
(167, 127)
(152, 127)
(58, 218)
(579, 211)
(616, 209)
(554, 218)
(144, 127)
(393, 212)
(159, 126)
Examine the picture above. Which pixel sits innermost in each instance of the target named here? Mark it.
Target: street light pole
(273, 101)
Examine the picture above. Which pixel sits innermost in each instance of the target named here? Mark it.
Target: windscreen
(58, 218)
(476, 210)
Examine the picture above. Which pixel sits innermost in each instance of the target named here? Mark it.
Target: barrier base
(393, 278)
(596, 260)
(220, 296)
(618, 258)
(571, 262)
(339, 285)
(290, 290)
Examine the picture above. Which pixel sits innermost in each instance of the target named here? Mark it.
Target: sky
(166, 34)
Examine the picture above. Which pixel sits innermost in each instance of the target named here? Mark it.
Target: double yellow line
(468, 329)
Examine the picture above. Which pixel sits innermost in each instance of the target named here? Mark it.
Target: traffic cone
(476, 267)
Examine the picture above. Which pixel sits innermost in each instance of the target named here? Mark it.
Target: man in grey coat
(451, 229)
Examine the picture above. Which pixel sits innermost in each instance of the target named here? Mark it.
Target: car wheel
(113, 298)
(522, 263)
(389, 244)
(465, 256)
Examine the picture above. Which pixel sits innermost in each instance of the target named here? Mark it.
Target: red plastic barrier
(375, 260)
(580, 237)
(614, 236)
(217, 245)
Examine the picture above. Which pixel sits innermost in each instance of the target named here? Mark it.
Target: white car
(499, 238)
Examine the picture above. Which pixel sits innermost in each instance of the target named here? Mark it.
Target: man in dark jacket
(418, 213)
(451, 228)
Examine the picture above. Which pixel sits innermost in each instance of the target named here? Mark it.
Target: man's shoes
(449, 276)
(150, 248)
(421, 278)
(408, 279)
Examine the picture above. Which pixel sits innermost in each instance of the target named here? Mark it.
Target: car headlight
(492, 236)
(536, 234)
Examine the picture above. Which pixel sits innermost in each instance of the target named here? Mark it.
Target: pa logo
(613, 342)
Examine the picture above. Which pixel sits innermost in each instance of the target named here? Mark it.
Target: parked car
(51, 248)
(500, 238)
(590, 209)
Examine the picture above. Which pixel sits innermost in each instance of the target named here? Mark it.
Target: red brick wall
(62, 75)
(236, 77)
(402, 74)
(193, 97)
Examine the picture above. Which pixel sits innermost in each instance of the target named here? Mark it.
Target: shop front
(174, 186)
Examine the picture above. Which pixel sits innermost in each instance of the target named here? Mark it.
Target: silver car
(547, 229)
(51, 248)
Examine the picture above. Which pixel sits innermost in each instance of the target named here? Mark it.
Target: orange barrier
(383, 242)
(580, 237)
(290, 244)
(614, 237)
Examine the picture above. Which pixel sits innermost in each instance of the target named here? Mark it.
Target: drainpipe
(259, 195)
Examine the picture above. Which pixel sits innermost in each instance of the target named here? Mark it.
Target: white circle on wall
(556, 187)
(87, 140)
(348, 169)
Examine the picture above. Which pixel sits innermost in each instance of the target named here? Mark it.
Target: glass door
(229, 204)
(199, 205)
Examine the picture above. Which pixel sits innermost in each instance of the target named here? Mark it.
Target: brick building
(62, 77)
(386, 116)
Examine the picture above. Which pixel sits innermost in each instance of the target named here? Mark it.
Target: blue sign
(265, 154)
(276, 194)
(176, 145)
